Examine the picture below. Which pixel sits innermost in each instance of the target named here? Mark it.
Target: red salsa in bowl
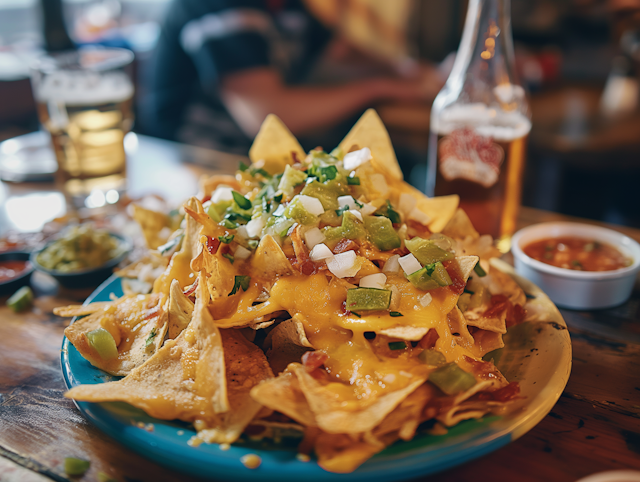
(577, 253)
(11, 269)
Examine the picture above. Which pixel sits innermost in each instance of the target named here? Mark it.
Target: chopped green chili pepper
(427, 251)
(438, 272)
(432, 357)
(241, 201)
(229, 224)
(253, 243)
(352, 227)
(392, 214)
(102, 342)
(452, 379)
(381, 233)
(432, 276)
(353, 181)
(150, 338)
(226, 239)
(368, 299)
(21, 299)
(479, 271)
(229, 257)
(323, 174)
(240, 282)
(75, 466)
(395, 314)
(397, 345)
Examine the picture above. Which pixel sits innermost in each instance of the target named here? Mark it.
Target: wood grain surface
(595, 426)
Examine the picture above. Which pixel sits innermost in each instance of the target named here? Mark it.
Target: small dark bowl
(86, 278)
(10, 286)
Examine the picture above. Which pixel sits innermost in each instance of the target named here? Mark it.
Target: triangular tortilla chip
(81, 310)
(440, 209)
(180, 310)
(273, 146)
(138, 325)
(184, 380)
(152, 224)
(246, 366)
(486, 341)
(459, 226)
(466, 265)
(269, 260)
(370, 132)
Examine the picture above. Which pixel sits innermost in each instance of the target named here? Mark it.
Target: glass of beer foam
(84, 101)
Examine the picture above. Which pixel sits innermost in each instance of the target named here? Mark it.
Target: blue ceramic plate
(537, 355)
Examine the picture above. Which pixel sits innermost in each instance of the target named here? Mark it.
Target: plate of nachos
(315, 315)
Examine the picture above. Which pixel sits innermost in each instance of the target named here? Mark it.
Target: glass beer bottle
(480, 124)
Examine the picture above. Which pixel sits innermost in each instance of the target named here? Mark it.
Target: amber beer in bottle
(480, 125)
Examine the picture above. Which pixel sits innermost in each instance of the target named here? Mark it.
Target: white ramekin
(579, 290)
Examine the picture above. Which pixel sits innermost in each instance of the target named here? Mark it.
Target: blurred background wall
(579, 59)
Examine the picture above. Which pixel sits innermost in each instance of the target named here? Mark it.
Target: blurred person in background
(222, 65)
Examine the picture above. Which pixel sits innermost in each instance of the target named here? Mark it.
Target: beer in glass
(84, 100)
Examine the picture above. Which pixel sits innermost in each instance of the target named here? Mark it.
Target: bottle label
(466, 155)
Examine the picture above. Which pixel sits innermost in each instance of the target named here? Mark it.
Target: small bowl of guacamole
(82, 256)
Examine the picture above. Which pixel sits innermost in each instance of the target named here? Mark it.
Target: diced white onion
(409, 264)
(425, 300)
(368, 209)
(379, 183)
(254, 227)
(356, 158)
(311, 204)
(406, 203)
(419, 216)
(279, 211)
(356, 214)
(313, 237)
(343, 265)
(396, 297)
(347, 201)
(376, 280)
(242, 232)
(222, 193)
(319, 252)
(389, 378)
(392, 265)
(242, 253)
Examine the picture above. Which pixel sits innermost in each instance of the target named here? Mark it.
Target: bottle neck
(56, 37)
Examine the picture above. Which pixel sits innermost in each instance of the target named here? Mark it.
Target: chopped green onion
(233, 216)
(353, 181)
(357, 314)
(102, 341)
(150, 338)
(452, 379)
(432, 357)
(368, 299)
(241, 201)
(278, 198)
(229, 257)
(229, 224)
(75, 466)
(479, 271)
(395, 314)
(226, 239)
(260, 171)
(397, 345)
(242, 167)
(21, 299)
(342, 210)
(253, 244)
(240, 282)
(323, 174)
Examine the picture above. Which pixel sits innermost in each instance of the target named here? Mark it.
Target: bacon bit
(212, 245)
(345, 245)
(504, 394)
(206, 198)
(456, 276)
(294, 156)
(189, 290)
(312, 360)
(417, 229)
(514, 313)
(483, 369)
(429, 340)
(302, 262)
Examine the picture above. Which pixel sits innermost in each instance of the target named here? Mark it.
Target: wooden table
(595, 426)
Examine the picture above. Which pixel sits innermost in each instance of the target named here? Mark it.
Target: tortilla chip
(370, 132)
(153, 225)
(466, 264)
(180, 310)
(486, 341)
(246, 366)
(210, 183)
(406, 417)
(184, 380)
(458, 324)
(137, 324)
(81, 310)
(459, 226)
(269, 260)
(440, 209)
(274, 145)
(327, 409)
(341, 454)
